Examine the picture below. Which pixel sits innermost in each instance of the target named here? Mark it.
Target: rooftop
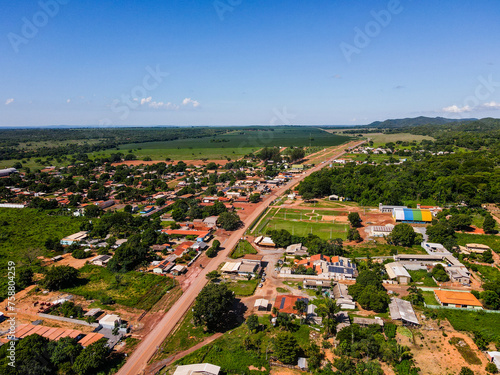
(457, 298)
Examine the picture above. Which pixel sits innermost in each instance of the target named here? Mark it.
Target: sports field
(325, 224)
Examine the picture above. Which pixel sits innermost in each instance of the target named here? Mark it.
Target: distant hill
(416, 121)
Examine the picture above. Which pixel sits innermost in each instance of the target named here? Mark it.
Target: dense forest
(467, 174)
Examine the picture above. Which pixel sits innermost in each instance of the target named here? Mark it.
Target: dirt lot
(435, 355)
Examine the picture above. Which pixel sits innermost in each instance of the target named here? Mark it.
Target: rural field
(303, 222)
(233, 144)
(382, 138)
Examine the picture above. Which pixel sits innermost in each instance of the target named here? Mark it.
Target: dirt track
(148, 347)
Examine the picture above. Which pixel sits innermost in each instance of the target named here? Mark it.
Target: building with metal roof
(412, 215)
(403, 310)
(397, 272)
(197, 369)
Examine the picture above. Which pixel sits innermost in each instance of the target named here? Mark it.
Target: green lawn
(323, 230)
(429, 298)
(422, 276)
(490, 240)
(133, 289)
(29, 228)
(243, 288)
(243, 247)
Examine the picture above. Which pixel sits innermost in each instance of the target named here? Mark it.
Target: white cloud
(149, 102)
(457, 109)
(491, 105)
(9, 101)
(68, 101)
(188, 101)
(482, 107)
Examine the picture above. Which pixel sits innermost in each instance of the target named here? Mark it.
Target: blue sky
(239, 62)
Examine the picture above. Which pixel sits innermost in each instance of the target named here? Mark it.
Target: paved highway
(137, 362)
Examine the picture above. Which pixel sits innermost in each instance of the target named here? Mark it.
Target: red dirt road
(148, 347)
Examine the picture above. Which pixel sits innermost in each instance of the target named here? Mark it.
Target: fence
(462, 309)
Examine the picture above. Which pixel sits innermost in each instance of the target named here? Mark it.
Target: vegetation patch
(133, 289)
(404, 331)
(492, 241)
(243, 247)
(465, 350)
(471, 321)
(28, 228)
(243, 288)
(422, 276)
(184, 337)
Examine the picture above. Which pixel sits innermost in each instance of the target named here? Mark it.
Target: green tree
(229, 221)
(491, 368)
(353, 235)
(402, 235)
(460, 221)
(466, 371)
(65, 350)
(286, 348)
(60, 277)
(439, 273)
(327, 309)
(487, 256)
(212, 275)
(354, 219)
(489, 224)
(93, 211)
(253, 323)
(254, 198)
(213, 306)
(91, 359)
(178, 214)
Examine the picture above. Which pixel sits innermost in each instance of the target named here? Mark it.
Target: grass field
(27, 228)
(301, 223)
(325, 203)
(422, 276)
(230, 354)
(243, 247)
(429, 298)
(470, 321)
(184, 337)
(243, 288)
(133, 289)
(234, 144)
(491, 241)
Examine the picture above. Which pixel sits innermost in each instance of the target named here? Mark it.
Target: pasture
(233, 144)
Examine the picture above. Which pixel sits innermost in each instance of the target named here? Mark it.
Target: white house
(110, 321)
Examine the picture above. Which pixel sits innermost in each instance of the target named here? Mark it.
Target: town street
(138, 360)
